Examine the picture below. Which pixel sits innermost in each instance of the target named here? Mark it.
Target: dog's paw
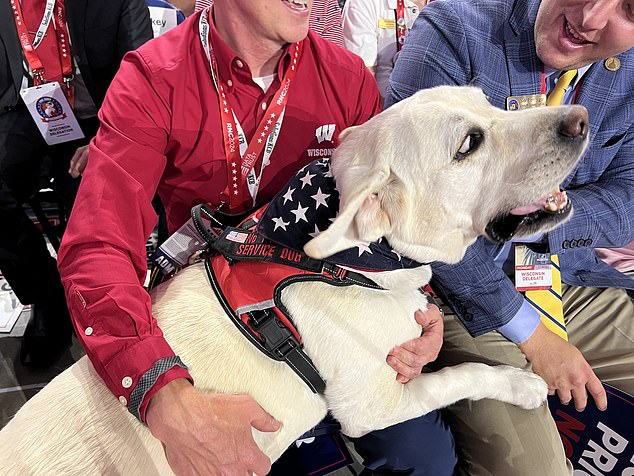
(526, 389)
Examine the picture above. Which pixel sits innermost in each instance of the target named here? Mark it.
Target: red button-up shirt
(161, 130)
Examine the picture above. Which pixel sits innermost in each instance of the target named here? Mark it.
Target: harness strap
(273, 338)
(266, 328)
(236, 244)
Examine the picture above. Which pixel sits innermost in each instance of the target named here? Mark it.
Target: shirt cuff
(160, 380)
(522, 325)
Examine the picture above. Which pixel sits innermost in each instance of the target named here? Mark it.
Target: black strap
(236, 244)
(218, 221)
(276, 341)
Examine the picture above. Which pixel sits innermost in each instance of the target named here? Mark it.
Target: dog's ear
(362, 218)
(346, 132)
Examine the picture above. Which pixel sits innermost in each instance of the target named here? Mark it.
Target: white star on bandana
(307, 179)
(288, 196)
(320, 198)
(300, 213)
(280, 223)
(307, 206)
(364, 248)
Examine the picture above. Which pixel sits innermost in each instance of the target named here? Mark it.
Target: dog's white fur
(398, 179)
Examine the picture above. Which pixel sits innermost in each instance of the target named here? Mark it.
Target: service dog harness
(253, 264)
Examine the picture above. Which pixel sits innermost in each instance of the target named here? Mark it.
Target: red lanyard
(542, 86)
(63, 44)
(268, 125)
(401, 26)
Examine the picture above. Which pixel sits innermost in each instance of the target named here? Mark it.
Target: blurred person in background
(78, 45)
(376, 31)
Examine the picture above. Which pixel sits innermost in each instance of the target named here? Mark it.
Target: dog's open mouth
(527, 219)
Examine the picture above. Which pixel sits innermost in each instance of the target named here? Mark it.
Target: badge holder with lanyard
(187, 242)
(49, 103)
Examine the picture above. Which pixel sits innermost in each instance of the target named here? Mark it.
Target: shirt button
(229, 83)
(88, 331)
(239, 63)
(264, 106)
(122, 400)
(126, 382)
(565, 244)
(414, 11)
(573, 243)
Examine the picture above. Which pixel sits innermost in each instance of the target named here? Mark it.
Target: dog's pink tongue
(530, 208)
(551, 202)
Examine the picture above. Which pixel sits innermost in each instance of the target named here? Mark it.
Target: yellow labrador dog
(430, 174)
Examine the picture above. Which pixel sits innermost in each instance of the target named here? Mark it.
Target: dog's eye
(469, 145)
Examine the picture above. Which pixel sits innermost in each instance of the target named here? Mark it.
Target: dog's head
(439, 169)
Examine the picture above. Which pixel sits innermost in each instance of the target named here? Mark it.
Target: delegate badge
(517, 103)
(532, 269)
(52, 113)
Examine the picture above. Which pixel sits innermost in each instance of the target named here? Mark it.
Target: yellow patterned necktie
(556, 96)
(548, 302)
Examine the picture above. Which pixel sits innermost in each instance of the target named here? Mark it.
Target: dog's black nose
(574, 125)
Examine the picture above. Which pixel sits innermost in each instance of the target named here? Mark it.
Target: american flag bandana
(307, 206)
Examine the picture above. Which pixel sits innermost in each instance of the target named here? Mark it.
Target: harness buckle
(334, 272)
(340, 273)
(276, 337)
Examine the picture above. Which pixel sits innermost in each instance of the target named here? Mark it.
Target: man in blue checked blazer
(511, 48)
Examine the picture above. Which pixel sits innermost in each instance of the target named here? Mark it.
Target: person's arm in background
(360, 35)
(482, 295)
(135, 27)
(332, 29)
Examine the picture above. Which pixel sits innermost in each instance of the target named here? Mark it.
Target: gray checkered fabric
(149, 379)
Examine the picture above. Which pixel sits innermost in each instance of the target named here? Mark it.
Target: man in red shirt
(176, 120)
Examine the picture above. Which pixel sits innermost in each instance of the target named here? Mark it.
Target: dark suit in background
(101, 32)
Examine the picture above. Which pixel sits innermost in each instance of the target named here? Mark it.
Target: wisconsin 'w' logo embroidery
(325, 132)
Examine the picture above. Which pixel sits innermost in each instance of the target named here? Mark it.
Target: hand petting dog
(409, 358)
(209, 434)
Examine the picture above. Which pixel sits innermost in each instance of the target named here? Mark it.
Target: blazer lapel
(594, 86)
(524, 67)
(9, 36)
(592, 94)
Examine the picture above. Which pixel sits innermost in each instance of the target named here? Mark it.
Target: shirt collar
(552, 74)
(226, 57)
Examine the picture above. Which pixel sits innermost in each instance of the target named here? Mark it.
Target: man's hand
(409, 358)
(209, 434)
(564, 369)
(79, 161)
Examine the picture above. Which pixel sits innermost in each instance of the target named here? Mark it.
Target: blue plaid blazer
(490, 44)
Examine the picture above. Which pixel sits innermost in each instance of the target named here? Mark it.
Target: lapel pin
(612, 63)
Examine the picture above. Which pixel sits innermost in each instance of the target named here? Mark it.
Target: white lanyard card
(52, 113)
